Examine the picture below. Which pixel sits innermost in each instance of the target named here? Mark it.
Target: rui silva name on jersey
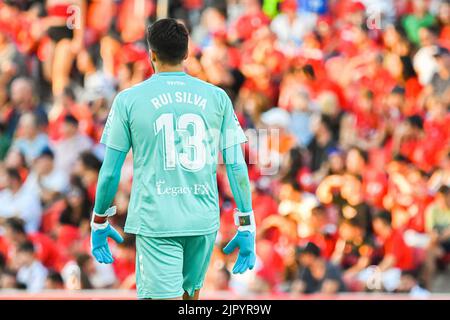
(179, 97)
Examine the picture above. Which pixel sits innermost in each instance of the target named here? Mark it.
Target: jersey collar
(176, 73)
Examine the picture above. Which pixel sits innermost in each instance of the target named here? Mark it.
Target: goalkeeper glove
(100, 232)
(244, 240)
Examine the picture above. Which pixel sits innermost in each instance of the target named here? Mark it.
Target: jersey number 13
(193, 142)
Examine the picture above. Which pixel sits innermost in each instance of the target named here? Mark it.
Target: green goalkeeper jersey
(175, 125)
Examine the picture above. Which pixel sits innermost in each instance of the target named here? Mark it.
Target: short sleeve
(231, 132)
(116, 134)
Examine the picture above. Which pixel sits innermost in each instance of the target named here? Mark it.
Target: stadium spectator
(316, 274)
(71, 144)
(44, 178)
(8, 280)
(30, 141)
(16, 200)
(54, 281)
(87, 168)
(353, 252)
(437, 225)
(30, 271)
(24, 99)
(77, 210)
(396, 257)
(420, 17)
(410, 285)
(45, 248)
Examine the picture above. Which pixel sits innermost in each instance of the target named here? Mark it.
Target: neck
(169, 68)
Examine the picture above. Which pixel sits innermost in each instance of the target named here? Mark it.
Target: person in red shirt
(323, 232)
(424, 148)
(67, 105)
(396, 257)
(396, 253)
(374, 182)
(46, 249)
(249, 22)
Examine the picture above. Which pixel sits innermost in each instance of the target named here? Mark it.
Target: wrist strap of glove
(244, 220)
(100, 226)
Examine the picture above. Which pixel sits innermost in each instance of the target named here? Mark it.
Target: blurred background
(360, 94)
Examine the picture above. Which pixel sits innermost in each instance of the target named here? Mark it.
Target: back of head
(385, 217)
(16, 225)
(168, 39)
(26, 247)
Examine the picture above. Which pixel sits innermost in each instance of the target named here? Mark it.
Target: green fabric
(437, 218)
(238, 177)
(176, 125)
(168, 267)
(412, 25)
(270, 8)
(5, 143)
(108, 180)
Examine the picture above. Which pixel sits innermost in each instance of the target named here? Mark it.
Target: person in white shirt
(47, 180)
(72, 144)
(291, 26)
(31, 272)
(424, 62)
(31, 141)
(18, 201)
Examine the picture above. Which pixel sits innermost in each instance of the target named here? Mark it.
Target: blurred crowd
(357, 91)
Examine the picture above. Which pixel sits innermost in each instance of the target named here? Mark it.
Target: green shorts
(168, 267)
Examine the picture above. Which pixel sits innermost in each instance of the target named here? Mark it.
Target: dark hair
(362, 153)
(401, 158)
(55, 276)
(296, 157)
(384, 216)
(26, 247)
(169, 39)
(398, 90)
(415, 121)
(327, 122)
(309, 248)
(69, 215)
(82, 259)
(13, 173)
(47, 152)
(353, 222)
(408, 71)
(319, 210)
(444, 190)
(94, 54)
(433, 29)
(2, 262)
(308, 70)
(16, 224)
(90, 161)
(70, 119)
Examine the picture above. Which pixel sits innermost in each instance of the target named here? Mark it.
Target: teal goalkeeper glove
(100, 232)
(244, 240)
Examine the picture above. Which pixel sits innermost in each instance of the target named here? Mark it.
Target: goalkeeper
(176, 125)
